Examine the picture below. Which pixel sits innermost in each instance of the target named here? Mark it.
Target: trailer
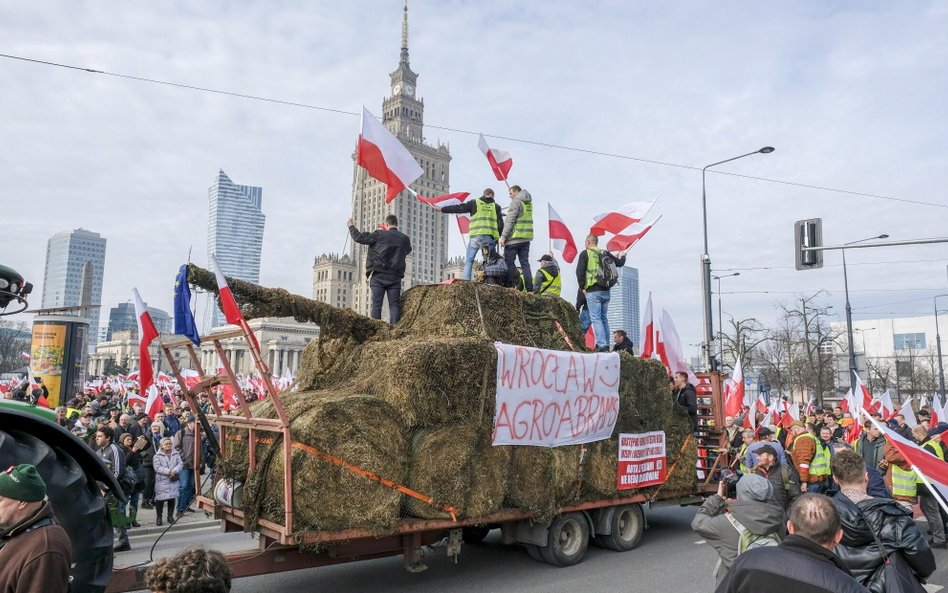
(615, 523)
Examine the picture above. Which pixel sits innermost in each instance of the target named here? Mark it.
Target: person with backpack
(597, 273)
(782, 477)
(875, 529)
(732, 527)
(516, 236)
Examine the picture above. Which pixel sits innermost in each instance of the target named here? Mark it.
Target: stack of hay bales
(415, 404)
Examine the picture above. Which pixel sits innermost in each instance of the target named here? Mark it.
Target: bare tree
(745, 340)
(14, 340)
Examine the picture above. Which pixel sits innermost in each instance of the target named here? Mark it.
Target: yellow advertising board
(48, 357)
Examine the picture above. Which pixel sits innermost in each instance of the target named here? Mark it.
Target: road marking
(933, 588)
(700, 541)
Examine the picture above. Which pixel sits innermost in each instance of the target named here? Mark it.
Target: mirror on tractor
(808, 234)
(13, 288)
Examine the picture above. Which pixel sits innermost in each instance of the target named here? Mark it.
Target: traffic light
(808, 233)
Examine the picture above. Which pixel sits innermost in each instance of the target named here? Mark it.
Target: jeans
(816, 487)
(390, 286)
(584, 320)
(597, 301)
(521, 251)
(185, 488)
(473, 248)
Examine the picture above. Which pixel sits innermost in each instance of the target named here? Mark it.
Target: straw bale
(543, 479)
(457, 466)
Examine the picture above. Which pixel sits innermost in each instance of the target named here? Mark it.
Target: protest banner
(641, 460)
(549, 398)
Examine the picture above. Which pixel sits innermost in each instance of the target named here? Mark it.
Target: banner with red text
(641, 460)
(549, 398)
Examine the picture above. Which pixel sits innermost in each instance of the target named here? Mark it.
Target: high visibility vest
(484, 221)
(523, 227)
(551, 284)
(903, 482)
(934, 449)
(592, 265)
(820, 466)
(742, 455)
(71, 413)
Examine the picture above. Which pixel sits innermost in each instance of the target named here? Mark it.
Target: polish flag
(229, 304)
(589, 338)
(735, 397)
(630, 236)
(886, 407)
(560, 236)
(443, 200)
(464, 223)
(923, 402)
(618, 221)
(928, 466)
(938, 411)
(147, 333)
(191, 377)
(672, 348)
(500, 160)
(907, 411)
(384, 157)
(648, 331)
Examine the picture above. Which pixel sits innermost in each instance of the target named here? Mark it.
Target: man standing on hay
(384, 265)
(516, 235)
(596, 287)
(487, 223)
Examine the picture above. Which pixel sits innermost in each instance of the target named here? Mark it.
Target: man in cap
(35, 552)
(722, 522)
(781, 476)
(548, 280)
(811, 459)
(765, 436)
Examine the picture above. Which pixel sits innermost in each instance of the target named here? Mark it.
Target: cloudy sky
(600, 103)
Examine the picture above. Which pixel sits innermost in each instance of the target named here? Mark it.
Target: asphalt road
(670, 559)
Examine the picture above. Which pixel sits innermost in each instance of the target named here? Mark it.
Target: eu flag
(183, 318)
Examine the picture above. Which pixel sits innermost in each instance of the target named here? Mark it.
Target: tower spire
(404, 56)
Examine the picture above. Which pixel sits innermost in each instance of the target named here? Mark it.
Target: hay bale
(457, 466)
(360, 429)
(543, 479)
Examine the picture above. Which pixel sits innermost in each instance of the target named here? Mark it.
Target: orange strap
(366, 474)
(671, 470)
(569, 342)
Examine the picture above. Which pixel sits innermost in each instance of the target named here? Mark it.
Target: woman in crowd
(167, 465)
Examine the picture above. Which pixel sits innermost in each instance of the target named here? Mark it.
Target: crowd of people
(829, 509)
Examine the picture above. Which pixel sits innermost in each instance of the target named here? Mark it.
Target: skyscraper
(624, 305)
(403, 114)
(123, 317)
(75, 264)
(235, 230)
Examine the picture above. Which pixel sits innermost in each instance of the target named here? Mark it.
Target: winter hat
(23, 483)
(753, 487)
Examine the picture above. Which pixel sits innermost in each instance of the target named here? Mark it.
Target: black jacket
(688, 397)
(896, 529)
(627, 345)
(797, 565)
(387, 250)
(470, 207)
(785, 481)
(583, 261)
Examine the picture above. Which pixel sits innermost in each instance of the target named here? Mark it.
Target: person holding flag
(384, 265)
(517, 234)
(487, 223)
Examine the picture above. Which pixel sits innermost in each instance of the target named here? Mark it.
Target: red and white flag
(929, 467)
(384, 157)
(617, 221)
(886, 407)
(735, 396)
(938, 411)
(648, 331)
(147, 333)
(464, 220)
(630, 236)
(907, 411)
(668, 336)
(560, 236)
(500, 160)
(229, 304)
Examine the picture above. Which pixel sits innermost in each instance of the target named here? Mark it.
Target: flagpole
(931, 489)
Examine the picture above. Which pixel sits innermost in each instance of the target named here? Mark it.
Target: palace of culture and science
(339, 279)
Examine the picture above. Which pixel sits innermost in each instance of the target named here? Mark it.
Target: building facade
(624, 305)
(403, 114)
(235, 231)
(899, 353)
(333, 279)
(75, 266)
(123, 318)
(453, 269)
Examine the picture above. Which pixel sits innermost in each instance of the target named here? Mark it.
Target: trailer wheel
(627, 527)
(79, 506)
(568, 541)
(534, 552)
(474, 534)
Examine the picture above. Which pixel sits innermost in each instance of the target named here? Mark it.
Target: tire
(80, 508)
(534, 552)
(627, 527)
(568, 540)
(474, 534)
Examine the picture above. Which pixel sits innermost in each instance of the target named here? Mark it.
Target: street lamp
(941, 368)
(849, 309)
(706, 259)
(721, 317)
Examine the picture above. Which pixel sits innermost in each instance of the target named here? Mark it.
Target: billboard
(58, 355)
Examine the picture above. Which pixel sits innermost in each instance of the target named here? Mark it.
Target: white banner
(548, 398)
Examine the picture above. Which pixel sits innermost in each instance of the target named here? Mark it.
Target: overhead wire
(589, 151)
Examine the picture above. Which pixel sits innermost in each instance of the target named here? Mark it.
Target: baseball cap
(766, 449)
(546, 257)
(765, 432)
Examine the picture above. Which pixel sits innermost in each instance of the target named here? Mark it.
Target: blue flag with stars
(183, 318)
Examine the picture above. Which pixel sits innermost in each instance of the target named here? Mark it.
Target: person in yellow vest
(748, 438)
(811, 458)
(900, 478)
(486, 225)
(927, 499)
(547, 280)
(597, 297)
(517, 234)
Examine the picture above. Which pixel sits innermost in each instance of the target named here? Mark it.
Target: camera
(729, 478)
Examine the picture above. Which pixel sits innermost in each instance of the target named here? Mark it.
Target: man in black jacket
(686, 396)
(862, 516)
(621, 341)
(803, 562)
(384, 265)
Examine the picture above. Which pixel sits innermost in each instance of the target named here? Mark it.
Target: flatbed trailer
(616, 523)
